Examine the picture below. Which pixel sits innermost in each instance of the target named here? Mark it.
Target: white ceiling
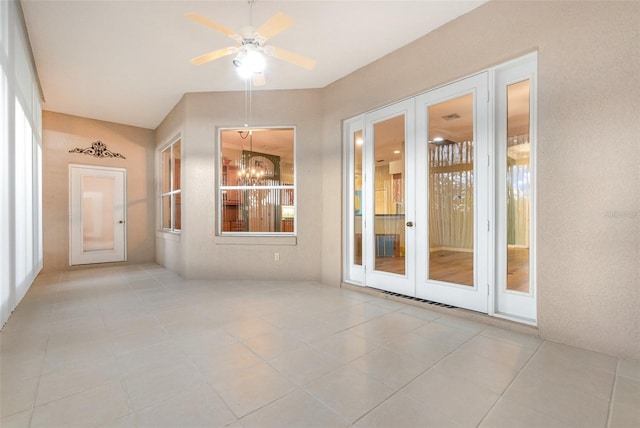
(128, 61)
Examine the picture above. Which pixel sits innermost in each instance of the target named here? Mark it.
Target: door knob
(409, 224)
(121, 221)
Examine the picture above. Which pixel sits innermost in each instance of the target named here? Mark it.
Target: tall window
(257, 181)
(21, 254)
(170, 188)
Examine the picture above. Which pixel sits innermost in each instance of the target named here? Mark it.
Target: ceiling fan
(251, 45)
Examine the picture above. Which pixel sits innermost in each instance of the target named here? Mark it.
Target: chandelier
(253, 171)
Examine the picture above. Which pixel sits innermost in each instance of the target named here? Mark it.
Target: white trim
(267, 239)
(169, 236)
(172, 192)
(170, 142)
(352, 272)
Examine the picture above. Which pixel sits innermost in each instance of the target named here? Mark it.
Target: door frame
(76, 255)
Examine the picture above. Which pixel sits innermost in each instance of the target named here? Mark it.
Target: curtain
(451, 195)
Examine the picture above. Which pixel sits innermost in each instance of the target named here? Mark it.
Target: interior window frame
(222, 188)
(174, 194)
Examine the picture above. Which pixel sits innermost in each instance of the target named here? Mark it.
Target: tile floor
(139, 346)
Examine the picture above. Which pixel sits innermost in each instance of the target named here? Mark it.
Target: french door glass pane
(518, 179)
(357, 197)
(389, 182)
(451, 190)
(97, 213)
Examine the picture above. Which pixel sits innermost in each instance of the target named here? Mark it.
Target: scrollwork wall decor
(98, 149)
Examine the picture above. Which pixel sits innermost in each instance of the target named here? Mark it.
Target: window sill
(169, 236)
(256, 240)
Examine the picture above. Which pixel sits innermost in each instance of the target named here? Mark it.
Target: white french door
(98, 213)
(388, 233)
(452, 152)
(440, 194)
(418, 198)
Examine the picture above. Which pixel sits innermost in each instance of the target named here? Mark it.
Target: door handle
(409, 224)
(121, 221)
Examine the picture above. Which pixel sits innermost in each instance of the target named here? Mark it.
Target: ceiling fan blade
(258, 79)
(276, 24)
(209, 23)
(293, 58)
(213, 55)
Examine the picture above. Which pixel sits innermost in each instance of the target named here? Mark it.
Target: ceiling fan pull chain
(246, 102)
(251, 2)
(250, 83)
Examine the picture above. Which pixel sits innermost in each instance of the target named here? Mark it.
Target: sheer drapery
(518, 205)
(451, 195)
(518, 190)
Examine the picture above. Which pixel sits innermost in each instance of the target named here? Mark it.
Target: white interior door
(98, 215)
(388, 232)
(452, 227)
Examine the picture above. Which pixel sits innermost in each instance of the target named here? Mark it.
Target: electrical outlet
(276, 256)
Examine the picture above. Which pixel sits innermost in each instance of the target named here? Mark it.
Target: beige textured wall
(205, 255)
(588, 210)
(61, 133)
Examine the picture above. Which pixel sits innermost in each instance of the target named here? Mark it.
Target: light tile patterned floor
(139, 346)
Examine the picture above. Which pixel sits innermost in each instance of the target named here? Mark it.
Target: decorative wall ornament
(98, 149)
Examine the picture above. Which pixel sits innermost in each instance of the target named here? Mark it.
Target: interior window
(257, 181)
(171, 195)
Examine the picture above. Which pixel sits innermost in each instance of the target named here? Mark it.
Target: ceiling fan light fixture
(249, 62)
